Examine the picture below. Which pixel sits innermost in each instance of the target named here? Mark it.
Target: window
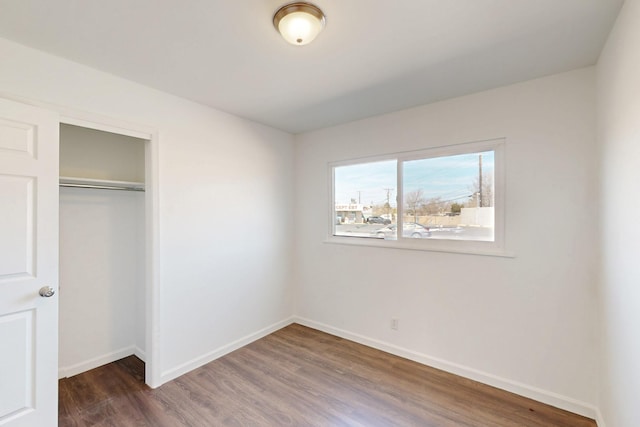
(446, 198)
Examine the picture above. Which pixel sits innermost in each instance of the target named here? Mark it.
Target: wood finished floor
(298, 377)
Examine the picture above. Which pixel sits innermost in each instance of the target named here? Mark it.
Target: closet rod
(101, 187)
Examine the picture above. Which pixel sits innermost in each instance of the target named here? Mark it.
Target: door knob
(46, 291)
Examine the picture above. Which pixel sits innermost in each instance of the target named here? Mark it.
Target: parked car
(378, 220)
(409, 229)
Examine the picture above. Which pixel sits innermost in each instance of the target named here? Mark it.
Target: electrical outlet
(394, 323)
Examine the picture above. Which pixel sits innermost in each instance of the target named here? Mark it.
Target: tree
(487, 191)
(414, 200)
(456, 208)
(433, 206)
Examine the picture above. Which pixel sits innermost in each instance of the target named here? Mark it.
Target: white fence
(482, 217)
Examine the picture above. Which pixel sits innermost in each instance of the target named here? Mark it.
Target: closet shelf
(103, 184)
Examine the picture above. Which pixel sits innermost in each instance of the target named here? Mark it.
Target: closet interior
(102, 248)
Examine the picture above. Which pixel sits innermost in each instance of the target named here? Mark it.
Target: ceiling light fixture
(299, 22)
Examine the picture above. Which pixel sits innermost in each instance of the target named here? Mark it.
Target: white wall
(100, 263)
(225, 204)
(619, 137)
(525, 323)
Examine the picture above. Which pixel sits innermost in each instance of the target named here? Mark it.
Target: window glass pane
(452, 196)
(365, 199)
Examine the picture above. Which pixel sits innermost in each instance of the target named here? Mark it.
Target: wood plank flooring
(298, 376)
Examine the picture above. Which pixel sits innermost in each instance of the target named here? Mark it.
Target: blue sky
(450, 178)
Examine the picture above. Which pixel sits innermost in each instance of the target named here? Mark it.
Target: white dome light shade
(299, 23)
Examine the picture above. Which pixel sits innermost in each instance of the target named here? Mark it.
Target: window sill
(468, 248)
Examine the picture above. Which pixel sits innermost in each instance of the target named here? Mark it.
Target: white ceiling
(374, 56)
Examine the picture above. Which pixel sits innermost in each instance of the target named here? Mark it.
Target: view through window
(442, 197)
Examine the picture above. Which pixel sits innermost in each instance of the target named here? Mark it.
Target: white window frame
(495, 247)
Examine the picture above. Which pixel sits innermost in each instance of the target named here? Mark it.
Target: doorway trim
(152, 251)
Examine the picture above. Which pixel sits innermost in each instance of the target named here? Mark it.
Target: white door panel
(17, 138)
(17, 361)
(16, 246)
(28, 262)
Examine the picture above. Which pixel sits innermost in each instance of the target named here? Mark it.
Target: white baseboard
(139, 353)
(544, 396)
(599, 418)
(87, 365)
(215, 354)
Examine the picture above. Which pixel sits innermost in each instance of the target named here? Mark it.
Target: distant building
(353, 212)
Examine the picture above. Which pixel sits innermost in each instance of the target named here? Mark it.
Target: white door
(28, 264)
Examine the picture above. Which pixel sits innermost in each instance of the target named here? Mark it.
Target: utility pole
(359, 196)
(480, 180)
(388, 190)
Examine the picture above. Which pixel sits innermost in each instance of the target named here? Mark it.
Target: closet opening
(104, 245)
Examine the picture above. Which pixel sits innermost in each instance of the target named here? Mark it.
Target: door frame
(152, 251)
(70, 116)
